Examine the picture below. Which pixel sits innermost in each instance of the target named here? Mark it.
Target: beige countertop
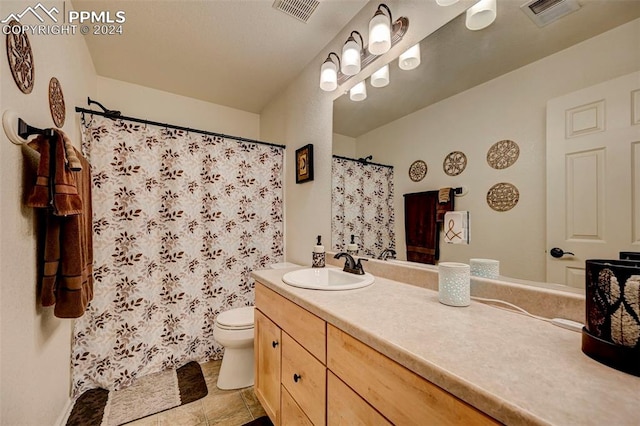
(517, 369)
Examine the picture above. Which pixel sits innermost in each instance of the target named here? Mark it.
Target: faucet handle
(359, 267)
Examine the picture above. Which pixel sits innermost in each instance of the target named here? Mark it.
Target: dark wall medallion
(503, 154)
(417, 170)
(20, 57)
(56, 102)
(454, 163)
(503, 196)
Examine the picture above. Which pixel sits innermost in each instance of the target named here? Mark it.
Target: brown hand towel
(56, 184)
(67, 280)
(73, 162)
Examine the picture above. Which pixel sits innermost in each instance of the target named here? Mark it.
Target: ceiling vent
(543, 12)
(299, 9)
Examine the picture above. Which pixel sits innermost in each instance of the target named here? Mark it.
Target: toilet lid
(239, 318)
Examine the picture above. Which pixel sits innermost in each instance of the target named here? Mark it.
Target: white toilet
(233, 329)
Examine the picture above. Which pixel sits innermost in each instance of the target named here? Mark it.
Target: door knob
(274, 343)
(558, 252)
(296, 377)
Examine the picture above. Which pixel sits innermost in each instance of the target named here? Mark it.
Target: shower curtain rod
(173, 126)
(361, 161)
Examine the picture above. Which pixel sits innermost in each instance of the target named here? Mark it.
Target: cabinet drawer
(399, 394)
(305, 379)
(345, 407)
(291, 412)
(306, 328)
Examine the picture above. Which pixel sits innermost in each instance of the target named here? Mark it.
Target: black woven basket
(612, 331)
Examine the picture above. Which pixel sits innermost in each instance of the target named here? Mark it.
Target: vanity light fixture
(446, 2)
(481, 15)
(356, 57)
(358, 92)
(380, 31)
(380, 78)
(352, 55)
(410, 59)
(329, 73)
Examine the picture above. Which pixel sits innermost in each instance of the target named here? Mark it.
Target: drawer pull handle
(296, 377)
(274, 343)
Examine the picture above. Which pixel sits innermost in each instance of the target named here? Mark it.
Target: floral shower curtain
(362, 205)
(180, 221)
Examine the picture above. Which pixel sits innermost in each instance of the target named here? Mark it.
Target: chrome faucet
(350, 264)
(387, 254)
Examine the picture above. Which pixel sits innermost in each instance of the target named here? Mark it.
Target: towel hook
(19, 134)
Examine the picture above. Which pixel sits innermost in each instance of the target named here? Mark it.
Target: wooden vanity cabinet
(290, 353)
(399, 394)
(309, 372)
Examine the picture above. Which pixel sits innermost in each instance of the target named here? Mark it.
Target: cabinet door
(305, 379)
(292, 414)
(345, 407)
(267, 365)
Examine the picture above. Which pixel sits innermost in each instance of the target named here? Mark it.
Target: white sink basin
(326, 279)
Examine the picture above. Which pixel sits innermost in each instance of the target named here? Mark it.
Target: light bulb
(481, 15)
(328, 76)
(358, 92)
(380, 78)
(351, 57)
(379, 34)
(410, 59)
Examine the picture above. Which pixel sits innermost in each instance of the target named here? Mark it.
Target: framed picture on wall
(304, 164)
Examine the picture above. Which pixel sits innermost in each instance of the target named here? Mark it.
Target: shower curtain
(362, 205)
(180, 220)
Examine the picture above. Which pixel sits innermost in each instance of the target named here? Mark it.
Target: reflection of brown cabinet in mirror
(423, 213)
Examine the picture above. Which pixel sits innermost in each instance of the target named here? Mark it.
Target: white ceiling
(237, 53)
(242, 53)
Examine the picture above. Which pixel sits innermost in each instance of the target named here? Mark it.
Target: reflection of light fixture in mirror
(481, 14)
(446, 2)
(329, 73)
(380, 31)
(380, 78)
(351, 52)
(410, 59)
(358, 92)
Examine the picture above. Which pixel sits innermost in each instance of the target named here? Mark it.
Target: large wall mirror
(474, 89)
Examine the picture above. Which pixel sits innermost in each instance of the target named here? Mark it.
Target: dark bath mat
(148, 395)
(260, 421)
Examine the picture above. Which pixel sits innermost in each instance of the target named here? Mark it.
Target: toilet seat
(236, 319)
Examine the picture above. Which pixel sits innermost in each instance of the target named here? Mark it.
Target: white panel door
(593, 176)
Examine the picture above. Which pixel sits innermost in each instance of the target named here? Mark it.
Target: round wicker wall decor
(56, 102)
(503, 154)
(20, 57)
(503, 196)
(454, 163)
(417, 170)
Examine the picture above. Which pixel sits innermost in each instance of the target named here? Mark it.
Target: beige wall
(510, 107)
(143, 102)
(302, 114)
(344, 146)
(34, 345)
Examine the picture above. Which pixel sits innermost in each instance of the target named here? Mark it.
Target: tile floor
(224, 408)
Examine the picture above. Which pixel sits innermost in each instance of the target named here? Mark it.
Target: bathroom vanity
(390, 353)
